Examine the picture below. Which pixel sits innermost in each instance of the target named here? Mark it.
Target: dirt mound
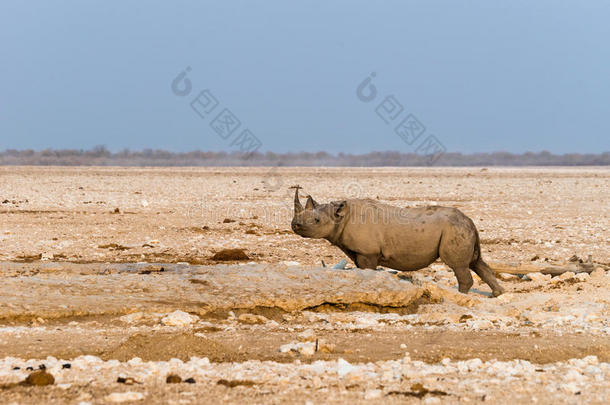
(164, 346)
(230, 254)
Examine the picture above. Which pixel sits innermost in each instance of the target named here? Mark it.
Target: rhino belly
(408, 261)
(411, 248)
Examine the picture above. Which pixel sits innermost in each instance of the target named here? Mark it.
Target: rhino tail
(476, 255)
(483, 270)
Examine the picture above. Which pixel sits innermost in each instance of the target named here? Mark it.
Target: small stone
(127, 380)
(190, 380)
(307, 349)
(506, 297)
(307, 335)
(252, 319)
(403, 346)
(304, 348)
(131, 318)
(125, 396)
(538, 277)
(480, 324)
(173, 379)
(373, 394)
(597, 273)
(582, 277)
(571, 388)
(325, 347)
(40, 377)
(343, 367)
(567, 275)
(66, 365)
(179, 318)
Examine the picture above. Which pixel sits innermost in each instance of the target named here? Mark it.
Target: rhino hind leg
(464, 279)
(487, 275)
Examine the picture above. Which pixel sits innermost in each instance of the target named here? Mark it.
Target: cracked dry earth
(111, 284)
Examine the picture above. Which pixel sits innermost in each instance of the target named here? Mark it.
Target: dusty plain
(113, 272)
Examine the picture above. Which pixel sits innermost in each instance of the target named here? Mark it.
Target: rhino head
(316, 220)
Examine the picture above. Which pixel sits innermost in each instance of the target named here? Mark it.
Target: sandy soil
(97, 260)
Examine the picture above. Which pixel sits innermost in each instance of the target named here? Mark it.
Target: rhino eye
(317, 220)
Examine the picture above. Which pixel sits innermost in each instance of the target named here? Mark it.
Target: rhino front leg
(366, 261)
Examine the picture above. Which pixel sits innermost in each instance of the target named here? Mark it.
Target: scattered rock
(418, 391)
(344, 368)
(40, 377)
(132, 318)
(567, 275)
(373, 394)
(598, 273)
(304, 348)
(252, 319)
(117, 211)
(179, 318)
(251, 232)
(438, 294)
(465, 318)
(114, 246)
(227, 220)
(190, 380)
(307, 335)
(480, 324)
(230, 254)
(508, 277)
(582, 276)
(324, 346)
(66, 365)
(127, 380)
(537, 277)
(198, 229)
(173, 379)
(235, 383)
(152, 269)
(125, 396)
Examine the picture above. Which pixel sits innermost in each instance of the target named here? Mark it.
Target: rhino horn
(311, 203)
(297, 204)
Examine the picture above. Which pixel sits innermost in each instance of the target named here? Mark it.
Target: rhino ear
(340, 208)
(311, 203)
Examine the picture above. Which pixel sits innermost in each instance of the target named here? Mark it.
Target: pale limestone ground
(550, 212)
(242, 314)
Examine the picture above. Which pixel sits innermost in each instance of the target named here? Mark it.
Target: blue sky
(479, 75)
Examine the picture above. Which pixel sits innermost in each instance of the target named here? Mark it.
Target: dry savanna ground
(116, 278)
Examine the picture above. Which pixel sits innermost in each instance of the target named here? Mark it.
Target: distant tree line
(101, 156)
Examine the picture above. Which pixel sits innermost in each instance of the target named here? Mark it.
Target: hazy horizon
(479, 76)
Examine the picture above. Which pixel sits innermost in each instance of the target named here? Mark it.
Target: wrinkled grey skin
(405, 239)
